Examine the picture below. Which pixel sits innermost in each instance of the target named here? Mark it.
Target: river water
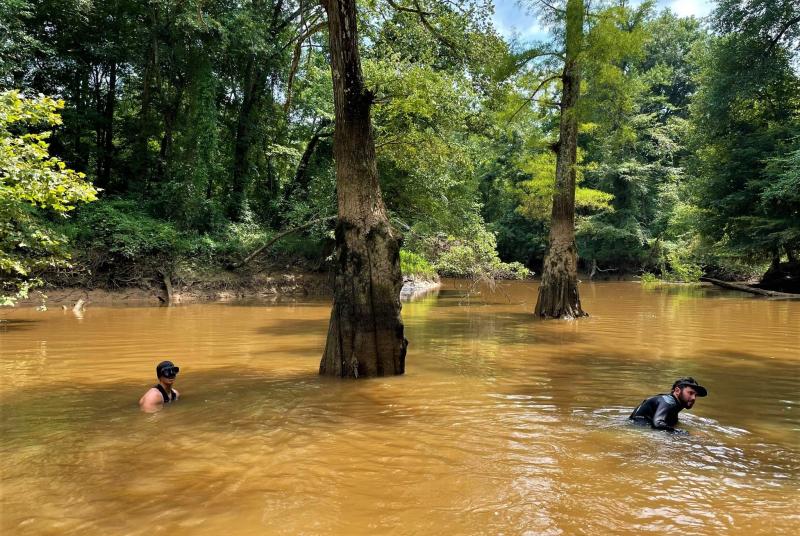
(502, 424)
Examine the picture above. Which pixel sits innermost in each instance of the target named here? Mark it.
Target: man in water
(162, 392)
(661, 411)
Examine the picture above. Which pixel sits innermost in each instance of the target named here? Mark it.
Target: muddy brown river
(502, 424)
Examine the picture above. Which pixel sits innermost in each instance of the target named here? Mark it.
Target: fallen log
(277, 237)
(752, 290)
(596, 269)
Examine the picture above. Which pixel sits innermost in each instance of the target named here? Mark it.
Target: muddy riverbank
(219, 287)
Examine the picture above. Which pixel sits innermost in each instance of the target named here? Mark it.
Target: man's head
(166, 371)
(686, 390)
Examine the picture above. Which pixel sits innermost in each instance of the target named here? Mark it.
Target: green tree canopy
(31, 181)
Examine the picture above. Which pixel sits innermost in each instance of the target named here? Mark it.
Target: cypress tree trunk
(558, 293)
(365, 335)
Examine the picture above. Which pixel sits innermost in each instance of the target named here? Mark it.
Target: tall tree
(745, 117)
(365, 336)
(637, 101)
(558, 292)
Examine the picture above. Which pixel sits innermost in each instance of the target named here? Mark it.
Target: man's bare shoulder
(151, 400)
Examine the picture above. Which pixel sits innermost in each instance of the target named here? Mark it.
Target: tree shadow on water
(505, 327)
(295, 326)
(16, 324)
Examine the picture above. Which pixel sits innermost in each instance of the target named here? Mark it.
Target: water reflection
(502, 424)
(411, 293)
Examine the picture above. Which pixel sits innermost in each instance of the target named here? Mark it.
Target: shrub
(118, 243)
(681, 269)
(476, 256)
(237, 240)
(459, 260)
(124, 230)
(416, 265)
(649, 278)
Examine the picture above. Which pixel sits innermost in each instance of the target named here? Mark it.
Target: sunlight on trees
(31, 182)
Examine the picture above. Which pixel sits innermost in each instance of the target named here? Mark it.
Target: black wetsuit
(660, 411)
(167, 397)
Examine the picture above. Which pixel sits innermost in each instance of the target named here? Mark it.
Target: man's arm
(151, 401)
(661, 416)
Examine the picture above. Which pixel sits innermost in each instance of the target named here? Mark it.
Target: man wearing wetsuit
(162, 392)
(661, 411)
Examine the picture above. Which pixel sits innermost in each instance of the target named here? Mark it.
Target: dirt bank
(220, 287)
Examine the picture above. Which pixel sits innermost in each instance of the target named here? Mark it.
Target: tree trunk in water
(365, 335)
(558, 293)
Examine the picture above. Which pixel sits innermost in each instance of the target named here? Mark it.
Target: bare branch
(300, 177)
(774, 41)
(298, 39)
(524, 58)
(400, 140)
(533, 95)
(296, 61)
(520, 59)
(552, 7)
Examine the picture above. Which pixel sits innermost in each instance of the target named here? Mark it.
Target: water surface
(502, 424)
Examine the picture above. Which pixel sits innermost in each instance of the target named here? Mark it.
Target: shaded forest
(206, 127)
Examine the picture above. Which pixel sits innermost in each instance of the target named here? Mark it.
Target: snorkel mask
(167, 369)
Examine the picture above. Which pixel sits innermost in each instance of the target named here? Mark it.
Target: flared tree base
(365, 334)
(558, 293)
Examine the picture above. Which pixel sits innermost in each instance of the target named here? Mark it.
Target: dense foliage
(208, 128)
(31, 182)
(746, 116)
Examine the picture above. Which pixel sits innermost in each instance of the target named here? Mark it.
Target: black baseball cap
(690, 382)
(166, 368)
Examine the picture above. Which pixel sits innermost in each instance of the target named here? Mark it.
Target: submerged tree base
(560, 300)
(365, 336)
(558, 292)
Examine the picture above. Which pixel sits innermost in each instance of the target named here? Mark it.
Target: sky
(509, 17)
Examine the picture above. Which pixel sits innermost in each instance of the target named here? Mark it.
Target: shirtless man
(661, 411)
(162, 392)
